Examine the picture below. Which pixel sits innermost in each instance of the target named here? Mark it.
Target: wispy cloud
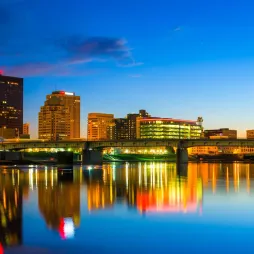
(41, 69)
(74, 53)
(81, 50)
(177, 29)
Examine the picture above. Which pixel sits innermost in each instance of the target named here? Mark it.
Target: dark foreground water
(128, 208)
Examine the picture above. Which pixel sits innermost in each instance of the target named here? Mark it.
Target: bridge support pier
(182, 155)
(11, 156)
(65, 158)
(92, 157)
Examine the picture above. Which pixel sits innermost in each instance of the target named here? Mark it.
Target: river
(127, 208)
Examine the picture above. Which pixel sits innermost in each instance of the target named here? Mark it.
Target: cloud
(178, 28)
(41, 69)
(131, 64)
(81, 50)
(70, 56)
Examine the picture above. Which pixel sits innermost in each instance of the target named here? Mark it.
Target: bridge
(92, 150)
(184, 143)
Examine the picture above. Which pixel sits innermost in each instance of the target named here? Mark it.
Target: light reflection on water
(140, 206)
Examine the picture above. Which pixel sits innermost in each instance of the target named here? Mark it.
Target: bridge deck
(18, 145)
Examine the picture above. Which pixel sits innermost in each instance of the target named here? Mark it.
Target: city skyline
(176, 60)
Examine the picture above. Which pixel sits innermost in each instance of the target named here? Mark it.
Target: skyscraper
(26, 128)
(98, 124)
(11, 103)
(59, 118)
(132, 123)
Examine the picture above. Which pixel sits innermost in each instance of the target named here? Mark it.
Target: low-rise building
(223, 132)
(8, 133)
(168, 128)
(203, 150)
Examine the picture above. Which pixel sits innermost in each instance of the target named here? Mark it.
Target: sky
(179, 59)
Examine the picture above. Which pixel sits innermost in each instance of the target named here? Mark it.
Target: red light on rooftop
(62, 92)
(1, 73)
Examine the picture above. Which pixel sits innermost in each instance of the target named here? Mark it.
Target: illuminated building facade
(223, 133)
(11, 103)
(167, 128)
(7, 133)
(72, 102)
(26, 128)
(119, 129)
(250, 134)
(59, 118)
(126, 128)
(98, 126)
(132, 123)
(54, 120)
(198, 150)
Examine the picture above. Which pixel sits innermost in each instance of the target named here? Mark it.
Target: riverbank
(139, 157)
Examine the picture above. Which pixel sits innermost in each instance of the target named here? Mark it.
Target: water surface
(128, 208)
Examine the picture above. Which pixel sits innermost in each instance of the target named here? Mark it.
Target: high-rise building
(250, 134)
(220, 133)
(71, 101)
(132, 123)
(168, 128)
(59, 118)
(11, 103)
(26, 128)
(125, 128)
(120, 130)
(54, 120)
(97, 126)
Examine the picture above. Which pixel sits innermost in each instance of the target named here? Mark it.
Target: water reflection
(144, 188)
(10, 209)
(59, 203)
(148, 188)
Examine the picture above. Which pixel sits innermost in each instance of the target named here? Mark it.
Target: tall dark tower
(11, 103)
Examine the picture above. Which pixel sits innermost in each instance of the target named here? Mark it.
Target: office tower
(11, 103)
(121, 129)
(98, 124)
(54, 120)
(132, 123)
(168, 128)
(250, 134)
(125, 128)
(59, 118)
(26, 128)
(71, 101)
(221, 133)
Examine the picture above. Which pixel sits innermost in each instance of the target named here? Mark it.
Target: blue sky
(179, 59)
